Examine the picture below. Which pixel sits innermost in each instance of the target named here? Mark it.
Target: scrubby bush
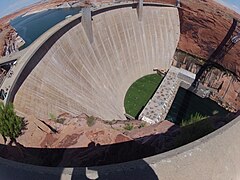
(10, 124)
(52, 117)
(60, 120)
(128, 127)
(193, 119)
(91, 121)
(143, 124)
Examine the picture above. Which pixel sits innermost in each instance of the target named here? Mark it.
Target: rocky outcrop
(98, 143)
(12, 42)
(204, 24)
(77, 142)
(223, 84)
(226, 88)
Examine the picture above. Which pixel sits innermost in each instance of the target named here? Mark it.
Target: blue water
(32, 26)
(187, 103)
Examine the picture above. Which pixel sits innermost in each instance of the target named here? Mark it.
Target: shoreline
(60, 6)
(34, 12)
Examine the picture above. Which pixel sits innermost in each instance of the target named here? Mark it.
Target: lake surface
(32, 26)
(187, 103)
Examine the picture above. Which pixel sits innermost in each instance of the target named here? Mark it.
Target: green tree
(10, 124)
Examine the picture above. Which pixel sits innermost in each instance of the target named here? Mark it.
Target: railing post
(140, 10)
(87, 23)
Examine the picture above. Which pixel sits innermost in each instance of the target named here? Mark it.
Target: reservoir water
(32, 26)
(187, 103)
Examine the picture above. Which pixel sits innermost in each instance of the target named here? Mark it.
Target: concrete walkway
(158, 106)
(12, 57)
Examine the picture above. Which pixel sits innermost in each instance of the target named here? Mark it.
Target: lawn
(140, 92)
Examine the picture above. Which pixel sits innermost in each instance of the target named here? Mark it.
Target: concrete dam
(64, 71)
(77, 76)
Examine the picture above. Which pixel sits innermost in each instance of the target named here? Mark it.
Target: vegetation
(128, 127)
(56, 119)
(142, 125)
(193, 119)
(52, 117)
(91, 120)
(110, 122)
(60, 120)
(140, 92)
(193, 132)
(10, 124)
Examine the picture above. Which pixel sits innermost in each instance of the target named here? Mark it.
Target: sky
(233, 4)
(10, 6)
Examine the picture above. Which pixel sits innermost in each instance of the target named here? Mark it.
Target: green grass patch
(140, 92)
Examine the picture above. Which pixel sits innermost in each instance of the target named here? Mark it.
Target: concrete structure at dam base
(215, 156)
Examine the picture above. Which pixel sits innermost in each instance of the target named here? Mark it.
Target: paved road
(12, 57)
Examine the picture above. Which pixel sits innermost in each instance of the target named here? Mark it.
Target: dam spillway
(77, 76)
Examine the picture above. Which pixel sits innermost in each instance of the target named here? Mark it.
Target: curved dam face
(77, 76)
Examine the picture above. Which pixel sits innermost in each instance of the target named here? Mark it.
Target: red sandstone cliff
(204, 23)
